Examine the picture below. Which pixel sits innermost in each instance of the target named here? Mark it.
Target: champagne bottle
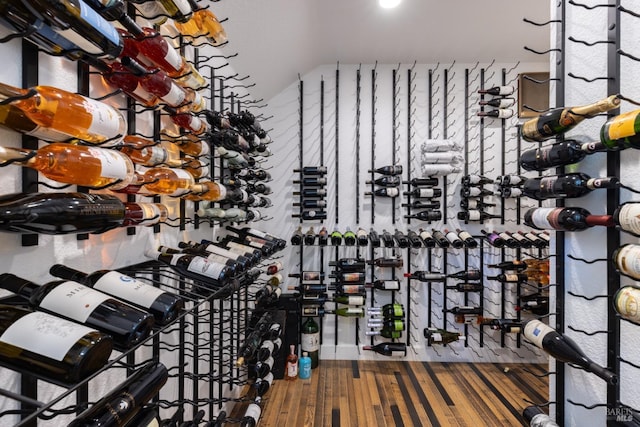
(565, 219)
(383, 192)
(77, 21)
(499, 113)
(312, 170)
(349, 237)
(75, 164)
(563, 348)
(297, 237)
(310, 237)
(164, 306)
(565, 186)
(621, 132)
(441, 336)
(67, 113)
(396, 349)
(424, 192)
(498, 91)
(124, 402)
(60, 213)
(291, 367)
(559, 120)
(388, 170)
(626, 301)
(475, 215)
(426, 216)
(126, 324)
(499, 102)
(386, 181)
(212, 274)
(535, 417)
(549, 156)
(51, 347)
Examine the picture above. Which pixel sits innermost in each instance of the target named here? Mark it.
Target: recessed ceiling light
(388, 4)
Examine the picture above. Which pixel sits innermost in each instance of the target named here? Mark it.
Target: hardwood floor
(400, 393)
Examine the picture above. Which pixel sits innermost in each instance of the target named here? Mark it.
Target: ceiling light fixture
(389, 4)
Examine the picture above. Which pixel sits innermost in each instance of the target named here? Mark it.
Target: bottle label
(311, 277)
(622, 126)
(436, 337)
(182, 175)
(310, 342)
(355, 300)
(80, 41)
(511, 278)
(128, 289)
(545, 218)
(48, 134)
(253, 411)
(351, 277)
(474, 215)
(546, 185)
(391, 285)
(73, 300)
(206, 267)
(175, 96)
(112, 163)
(351, 289)
(426, 192)
(172, 57)
(154, 155)
(292, 370)
(44, 334)
(535, 331)
(195, 124)
(626, 303)
(628, 260)
(183, 6)
(629, 217)
(105, 121)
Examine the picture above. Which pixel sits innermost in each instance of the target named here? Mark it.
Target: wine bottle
(383, 192)
(559, 120)
(475, 215)
(336, 238)
(625, 258)
(388, 170)
(312, 170)
(441, 336)
(246, 232)
(311, 215)
(310, 237)
(311, 192)
(385, 333)
(352, 300)
(510, 278)
(401, 239)
(75, 164)
(60, 213)
(187, 120)
(362, 237)
(565, 186)
(499, 102)
(203, 23)
(494, 239)
(423, 204)
(385, 285)
(626, 301)
(312, 181)
(499, 113)
(504, 325)
(535, 417)
(387, 239)
(468, 240)
(164, 306)
(424, 192)
(212, 274)
(348, 265)
(396, 349)
(515, 265)
(297, 237)
(523, 242)
(440, 238)
(534, 239)
(347, 276)
(414, 240)
(475, 192)
(233, 266)
(510, 192)
(342, 311)
(311, 204)
(621, 132)
(509, 240)
(309, 288)
(472, 274)
(455, 241)
(441, 158)
(422, 182)
(427, 239)
(388, 311)
(117, 76)
(348, 288)
(474, 204)
(563, 348)
(549, 156)
(510, 180)
(565, 219)
(67, 113)
(245, 261)
(498, 91)
(426, 216)
(268, 348)
(386, 181)
(126, 324)
(374, 238)
(387, 262)
(255, 255)
(467, 287)
(291, 367)
(536, 303)
(426, 276)
(439, 145)
(464, 310)
(51, 347)
(124, 402)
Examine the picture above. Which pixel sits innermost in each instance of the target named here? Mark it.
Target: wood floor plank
(384, 393)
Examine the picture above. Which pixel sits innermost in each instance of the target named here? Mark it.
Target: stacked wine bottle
(439, 158)
(388, 184)
(473, 203)
(500, 103)
(312, 181)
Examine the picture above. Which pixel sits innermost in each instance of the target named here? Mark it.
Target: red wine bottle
(570, 185)
(388, 349)
(565, 219)
(164, 306)
(126, 324)
(561, 154)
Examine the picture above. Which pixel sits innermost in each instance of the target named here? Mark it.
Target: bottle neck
(604, 220)
(17, 155)
(7, 91)
(67, 273)
(597, 107)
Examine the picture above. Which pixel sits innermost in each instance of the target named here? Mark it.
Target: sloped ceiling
(277, 39)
